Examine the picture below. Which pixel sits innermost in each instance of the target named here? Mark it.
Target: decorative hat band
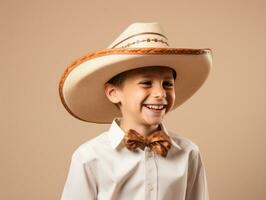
(142, 37)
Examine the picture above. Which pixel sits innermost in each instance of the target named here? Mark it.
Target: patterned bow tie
(159, 142)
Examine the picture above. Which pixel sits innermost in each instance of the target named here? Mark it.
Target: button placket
(151, 175)
(150, 153)
(150, 186)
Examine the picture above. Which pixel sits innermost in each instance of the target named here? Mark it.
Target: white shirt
(104, 169)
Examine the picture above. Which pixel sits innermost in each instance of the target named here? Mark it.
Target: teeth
(157, 107)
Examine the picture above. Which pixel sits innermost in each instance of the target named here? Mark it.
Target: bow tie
(159, 142)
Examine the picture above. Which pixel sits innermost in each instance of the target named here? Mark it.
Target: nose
(158, 91)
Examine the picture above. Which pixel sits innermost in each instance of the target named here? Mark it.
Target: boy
(133, 84)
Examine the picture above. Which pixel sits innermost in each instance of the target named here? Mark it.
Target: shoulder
(185, 143)
(88, 150)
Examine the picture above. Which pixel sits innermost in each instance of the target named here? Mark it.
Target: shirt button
(150, 187)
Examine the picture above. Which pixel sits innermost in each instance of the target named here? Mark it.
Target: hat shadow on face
(118, 79)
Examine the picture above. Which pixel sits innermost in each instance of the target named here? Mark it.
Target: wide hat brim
(81, 86)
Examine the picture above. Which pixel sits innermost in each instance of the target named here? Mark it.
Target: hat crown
(140, 35)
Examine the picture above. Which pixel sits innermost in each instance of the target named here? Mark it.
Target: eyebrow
(166, 77)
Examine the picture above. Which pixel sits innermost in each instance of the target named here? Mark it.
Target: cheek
(135, 98)
(139, 95)
(170, 100)
(171, 96)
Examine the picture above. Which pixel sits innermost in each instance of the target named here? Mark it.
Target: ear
(112, 92)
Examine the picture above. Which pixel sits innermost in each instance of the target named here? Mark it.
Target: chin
(154, 121)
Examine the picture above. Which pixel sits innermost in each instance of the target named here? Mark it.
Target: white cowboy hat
(81, 86)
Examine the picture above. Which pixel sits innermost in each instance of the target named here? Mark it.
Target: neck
(144, 130)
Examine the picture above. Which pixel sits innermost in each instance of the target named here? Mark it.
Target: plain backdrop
(226, 117)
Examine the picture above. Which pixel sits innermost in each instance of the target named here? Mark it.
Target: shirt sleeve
(80, 183)
(197, 188)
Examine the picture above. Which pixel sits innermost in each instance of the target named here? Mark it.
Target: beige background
(226, 118)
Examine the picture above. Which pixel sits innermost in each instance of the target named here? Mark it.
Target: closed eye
(165, 84)
(146, 82)
(168, 84)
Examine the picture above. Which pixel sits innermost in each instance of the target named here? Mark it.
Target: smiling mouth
(155, 106)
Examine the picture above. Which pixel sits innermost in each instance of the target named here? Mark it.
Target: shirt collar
(116, 134)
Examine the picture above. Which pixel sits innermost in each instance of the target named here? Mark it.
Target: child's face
(143, 88)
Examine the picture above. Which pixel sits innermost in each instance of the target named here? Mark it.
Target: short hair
(118, 79)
